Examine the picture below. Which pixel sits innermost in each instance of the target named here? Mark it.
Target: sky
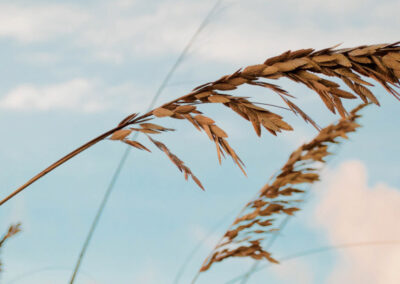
(71, 70)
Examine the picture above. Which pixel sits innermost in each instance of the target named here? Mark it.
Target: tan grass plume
(352, 66)
(279, 197)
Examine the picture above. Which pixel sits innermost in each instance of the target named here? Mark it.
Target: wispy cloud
(79, 95)
(207, 238)
(351, 211)
(149, 273)
(73, 95)
(251, 31)
(293, 272)
(32, 23)
(243, 32)
(111, 31)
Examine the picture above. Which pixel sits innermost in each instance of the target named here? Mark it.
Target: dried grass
(280, 197)
(12, 231)
(352, 66)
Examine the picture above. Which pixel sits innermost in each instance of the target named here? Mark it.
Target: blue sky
(71, 70)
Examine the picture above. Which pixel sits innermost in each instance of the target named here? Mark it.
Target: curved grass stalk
(380, 63)
(279, 197)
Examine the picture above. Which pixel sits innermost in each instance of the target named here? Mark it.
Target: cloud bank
(239, 31)
(352, 211)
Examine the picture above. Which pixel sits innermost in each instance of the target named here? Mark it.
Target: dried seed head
(279, 197)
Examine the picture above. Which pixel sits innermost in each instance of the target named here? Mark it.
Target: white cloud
(68, 95)
(293, 272)
(252, 31)
(112, 31)
(329, 6)
(18, 213)
(350, 211)
(79, 94)
(39, 58)
(162, 29)
(28, 23)
(207, 238)
(149, 273)
(243, 32)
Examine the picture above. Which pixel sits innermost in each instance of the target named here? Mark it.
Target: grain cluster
(351, 67)
(279, 197)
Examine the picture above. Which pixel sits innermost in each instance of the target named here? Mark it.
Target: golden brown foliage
(352, 66)
(177, 162)
(280, 196)
(378, 62)
(12, 230)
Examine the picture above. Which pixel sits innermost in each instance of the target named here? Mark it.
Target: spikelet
(12, 230)
(352, 66)
(279, 197)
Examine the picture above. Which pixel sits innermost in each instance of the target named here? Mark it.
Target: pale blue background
(113, 55)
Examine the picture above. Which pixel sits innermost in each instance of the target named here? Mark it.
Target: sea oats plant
(351, 67)
(260, 217)
(380, 62)
(12, 231)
